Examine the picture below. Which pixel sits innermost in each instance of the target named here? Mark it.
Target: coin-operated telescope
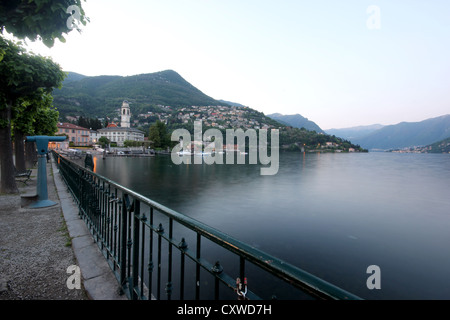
(41, 187)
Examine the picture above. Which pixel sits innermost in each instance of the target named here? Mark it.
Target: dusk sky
(339, 63)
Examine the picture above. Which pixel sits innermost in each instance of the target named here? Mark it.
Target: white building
(120, 134)
(125, 115)
(94, 137)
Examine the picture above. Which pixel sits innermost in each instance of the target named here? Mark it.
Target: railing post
(81, 194)
(160, 231)
(150, 255)
(183, 247)
(123, 242)
(169, 279)
(136, 225)
(216, 269)
(116, 224)
(197, 268)
(143, 218)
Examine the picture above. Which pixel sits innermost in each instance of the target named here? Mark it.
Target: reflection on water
(330, 214)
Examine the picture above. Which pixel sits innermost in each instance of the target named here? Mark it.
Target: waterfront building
(79, 136)
(120, 134)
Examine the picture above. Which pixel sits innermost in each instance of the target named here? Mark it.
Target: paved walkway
(37, 246)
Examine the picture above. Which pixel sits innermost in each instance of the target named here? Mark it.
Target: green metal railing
(145, 242)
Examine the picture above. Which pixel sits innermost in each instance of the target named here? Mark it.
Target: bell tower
(125, 115)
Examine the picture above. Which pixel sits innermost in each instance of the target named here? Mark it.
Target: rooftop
(67, 125)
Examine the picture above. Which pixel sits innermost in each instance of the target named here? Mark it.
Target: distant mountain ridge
(73, 76)
(406, 134)
(354, 132)
(296, 121)
(233, 104)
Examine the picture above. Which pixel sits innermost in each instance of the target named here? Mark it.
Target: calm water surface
(332, 215)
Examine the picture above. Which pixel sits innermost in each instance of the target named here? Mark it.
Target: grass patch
(65, 232)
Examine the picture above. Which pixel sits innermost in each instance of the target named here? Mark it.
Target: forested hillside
(100, 96)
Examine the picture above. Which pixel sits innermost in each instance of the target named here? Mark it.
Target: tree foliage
(25, 75)
(46, 120)
(159, 136)
(33, 115)
(26, 78)
(36, 116)
(44, 20)
(104, 142)
(89, 123)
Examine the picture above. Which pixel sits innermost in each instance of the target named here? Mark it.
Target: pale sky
(340, 63)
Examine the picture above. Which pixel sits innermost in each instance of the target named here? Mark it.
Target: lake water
(332, 215)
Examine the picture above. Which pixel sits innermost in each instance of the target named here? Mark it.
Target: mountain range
(101, 96)
(354, 132)
(397, 136)
(296, 121)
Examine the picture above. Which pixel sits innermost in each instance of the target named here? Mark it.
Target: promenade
(37, 246)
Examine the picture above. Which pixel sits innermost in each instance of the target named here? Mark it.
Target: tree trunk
(19, 149)
(30, 154)
(8, 181)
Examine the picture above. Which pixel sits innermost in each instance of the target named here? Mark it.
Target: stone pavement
(37, 246)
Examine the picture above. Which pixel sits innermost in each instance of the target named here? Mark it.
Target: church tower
(125, 115)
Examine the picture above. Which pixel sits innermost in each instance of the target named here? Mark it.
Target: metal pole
(41, 187)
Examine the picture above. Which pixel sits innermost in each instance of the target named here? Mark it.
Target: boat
(202, 153)
(184, 153)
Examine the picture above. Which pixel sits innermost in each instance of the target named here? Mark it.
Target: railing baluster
(143, 219)
(183, 247)
(104, 233)
(197, 268)
(216, 269)
(120, 213)
(115, 224)
(123, 243)
(150, 255)
(169, 277)
(136, 227)
(130, 234)
(108, 221)
(160, 230)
